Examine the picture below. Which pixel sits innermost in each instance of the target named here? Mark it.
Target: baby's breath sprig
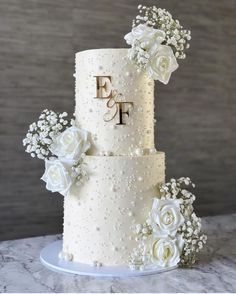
(194, 240)
(41, 133)
(79, 171)
(175, 35)
(139, 258)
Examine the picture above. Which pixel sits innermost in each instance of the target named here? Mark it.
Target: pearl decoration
(139, 151)
(65, 256)
(68, 257)
(130, 213)
(113, 188)
(152, 151)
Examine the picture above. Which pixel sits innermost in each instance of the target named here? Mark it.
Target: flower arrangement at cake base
(171, 235)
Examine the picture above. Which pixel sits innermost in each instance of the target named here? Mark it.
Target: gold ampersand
(114, 104)
(112, 110)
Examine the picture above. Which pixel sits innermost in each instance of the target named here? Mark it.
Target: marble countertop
(21, 270)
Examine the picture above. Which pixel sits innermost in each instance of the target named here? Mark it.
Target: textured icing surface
(98, 216)
(138, 131)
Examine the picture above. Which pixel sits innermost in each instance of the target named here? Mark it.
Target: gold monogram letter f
(104, 87)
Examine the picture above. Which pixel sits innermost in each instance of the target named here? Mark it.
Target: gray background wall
(196, 112)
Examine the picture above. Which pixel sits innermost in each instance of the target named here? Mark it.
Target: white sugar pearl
(67, 256)
(139, 151)
(99, 264)
(152, 151)
(113, 188)
(130, 213)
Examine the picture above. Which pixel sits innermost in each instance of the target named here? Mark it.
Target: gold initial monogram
(114, 104)
(104, 87)
(122, 111)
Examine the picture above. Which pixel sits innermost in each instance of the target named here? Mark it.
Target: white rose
(166, 217)
(161, 64)
(148, 37)
(166, 251)
(58, 176)
(70, 144)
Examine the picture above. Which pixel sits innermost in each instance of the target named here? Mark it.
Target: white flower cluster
(139, 55)
(175, 36)
(138, 258)
(62, 147)
(157, 40)
(41, 133)
(80, 172)
(172, 233)
(159, 242)
(190, 231)
(194, 239)
(143, 230)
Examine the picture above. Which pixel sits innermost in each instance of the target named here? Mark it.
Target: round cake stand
(49, 258)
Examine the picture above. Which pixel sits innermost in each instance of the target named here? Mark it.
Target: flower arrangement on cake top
(157, 42)
(62, 145)
(171, 234)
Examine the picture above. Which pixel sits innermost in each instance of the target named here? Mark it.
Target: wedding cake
(118, 209)
(123, 166)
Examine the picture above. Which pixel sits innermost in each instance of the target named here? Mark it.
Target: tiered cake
(118, 210)
(115, 104)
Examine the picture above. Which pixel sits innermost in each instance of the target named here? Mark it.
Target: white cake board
(49, 258)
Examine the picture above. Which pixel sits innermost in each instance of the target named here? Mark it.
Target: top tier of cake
(114, 102)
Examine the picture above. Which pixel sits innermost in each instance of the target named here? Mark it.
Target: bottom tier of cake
(99, 215)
